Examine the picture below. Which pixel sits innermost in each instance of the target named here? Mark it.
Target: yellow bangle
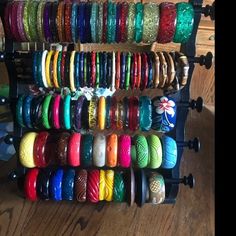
(26, 150)
(109, 185)
(72, 78)
(102, 185)
(48, 60)
(101, 113)
(55, 81)
(93, 113)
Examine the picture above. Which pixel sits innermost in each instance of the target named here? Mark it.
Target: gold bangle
(26, 150)
(47, 69)
(163, 70)
(101, 113)
(170, 69)
(55, 81)
(109, 185)
(157, 70)
(93, 113)
(183, 62)
(72, 78)
(102, 185)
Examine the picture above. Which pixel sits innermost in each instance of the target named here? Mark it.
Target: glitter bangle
(100, 22)
(25, 20)
(124, 22)
(131, 23)
(74, 22)
(68, 8)
(46, 17)
(14, 20)
(138, 22)
(111, 22)
(32, 20)
(94, 22)
(87, 22)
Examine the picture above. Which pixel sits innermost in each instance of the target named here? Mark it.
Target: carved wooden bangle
(81, 185)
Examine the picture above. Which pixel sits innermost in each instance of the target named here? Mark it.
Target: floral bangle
(138, 22)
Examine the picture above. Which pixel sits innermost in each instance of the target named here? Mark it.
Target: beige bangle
(170, 69)
(157, 70)
(163, 70)
(99, 150)
(183, 62)
(72, 78)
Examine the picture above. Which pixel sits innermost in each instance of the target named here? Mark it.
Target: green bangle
(150, 22)
(85, 69)
(100, 22)
(111, 22)
(155, 151)
(19, 110)
(40, 21)
(184, 23)
(86, 150)
(45, 111)
(32, 20)
(67, 116)
(59, 69)
(128, 64)
(138, 22)
(141, 148)
(25, 20)
(97, 70)
(131, 23)
(94, 22)
(119, 188)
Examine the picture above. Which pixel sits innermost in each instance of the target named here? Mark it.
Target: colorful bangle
(145, 107)
(167, 22)
(56, 111)
(93, 113)
(62, 147)
(40, 29)
(19, 110)
(27, 111)
(102, 185)
(108, 106)
(128, 65)
(124, 151)
(56, 185)
(45, 111)
(68, 8)
(30, 184)
(74, 22)
(109, 180)
(184, 22)
(72, 78)
(119, 188)
(86, 150)
(67, 112)
(117, 82)
(68, 184)
(104, 27)
(74, 150)
(32, 20)
(47, 68)
(87, 22)
(94, 22)
(78, 112)
(138, 22)
(42, 185)
(111, 22)
(156, 188)
(100, 22)
(81, 185)
(101, 113)
(139, 70)
(99, 150)
(25, 21)
(111, 150)
(26, 150)
(60, 26)
(93, 186)
(131, 22)
(82, 23)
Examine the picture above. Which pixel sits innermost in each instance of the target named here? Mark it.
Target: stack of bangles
(64, 149)
(63, 112)
(47, 21)
(112, 70)
(94, 185)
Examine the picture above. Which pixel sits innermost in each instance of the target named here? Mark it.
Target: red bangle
(93, 186)
(74, 149)
(63, 59)
(68, 7)
(117, 84)
(104, 28)
(134, 68)
(30, 184)
(14, 20)
(56, 112)
(113, 109)
(123, 22)
(93, 68)
(139, 70)
(41, 157)
(167, 22)
(144, 76)
(133, 113)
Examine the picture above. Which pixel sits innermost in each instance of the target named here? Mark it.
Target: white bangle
(45, 52)
(99, 150)
(113, 71)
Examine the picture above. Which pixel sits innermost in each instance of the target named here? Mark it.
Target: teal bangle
(119, 188)
(94, 22)
(138, 22)
(131, 23)
(145, 117)
(184, 23)
(111, 22)
(86, 150)
(45, 111)
(67, 116)
(97, 70)
(127, 77)
(100, 22)
(19, 110)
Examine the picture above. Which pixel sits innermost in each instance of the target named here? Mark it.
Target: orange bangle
(55, 81)
(47, 68)
(112, 148)
(139, 71)
(60, 25)
(101, 113)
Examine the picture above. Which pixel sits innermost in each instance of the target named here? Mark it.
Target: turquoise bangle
(74, 26)
(19, 110)
(127, 77)
(138, 22)
(184, 23)
(45, 111)
(67, 117)
(145, 117)
(111, 22)
(94, 22)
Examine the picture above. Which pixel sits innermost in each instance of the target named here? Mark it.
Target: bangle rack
(182, 97)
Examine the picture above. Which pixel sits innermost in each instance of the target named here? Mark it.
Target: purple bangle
(14, 21)
(46, 18)
(118, 10)
(20, 26)
(78, 112)
(6, 21)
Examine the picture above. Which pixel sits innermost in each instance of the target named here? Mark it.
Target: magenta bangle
(6, 21)
(124, 152)
(20, 26)
(55, 111)
(14, 29)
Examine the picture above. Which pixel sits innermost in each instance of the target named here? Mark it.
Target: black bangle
(108, 117)
(42, 185)
(109, 69)
(84, 118)
(86, 150)
(89, 77)
(122, 70)
(101, 69)
(52, 22)
(104, 79)
(36, 112)
(77, 70)
(126, 112)
(150, 71)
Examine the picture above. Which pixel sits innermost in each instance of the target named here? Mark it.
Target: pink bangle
(73, 157)
(55, 115)
(20, 26)
(124, 151)
(14, 28)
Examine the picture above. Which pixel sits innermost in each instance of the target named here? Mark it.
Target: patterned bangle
(99, 150)
(68, 8)
(60, 14)
(170, 68)
(119, 188)
(163, 70)
(150, 22)
(100, 22)
(87, 22)
(124, 151)
(111, 150)
(94, 22)
(62, 147)
(68, 184)
(93, 112)
(183, 66)
(27, 111)
(145, 107)
(138, 22)
(109, 180)
(127, 77)
(93, 186)
(86, 150)
(56, 184)
(167, 22)
(131, 23)
(74, 22)
(157, 70)
(185, 21)
(81, 185)
(32, 20)
(25, 20)
(45, 111)
(102, 185)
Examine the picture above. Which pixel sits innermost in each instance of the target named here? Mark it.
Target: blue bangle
(82, 23)
(56, 185)
(81, 76)
(42, 184)
(104, 63)
(108, 106)
(27, 111)
(101, 69)
(68, 184)
(150, 69)
(74, 27)
(169, 152)
(19, 110)
(94, 22)
(67, 116)
(35, 67)
(163, 114)
(122, 68)
(87, 22)
(118, 10)
(145, 117)
(39, 75)
(77, 70)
